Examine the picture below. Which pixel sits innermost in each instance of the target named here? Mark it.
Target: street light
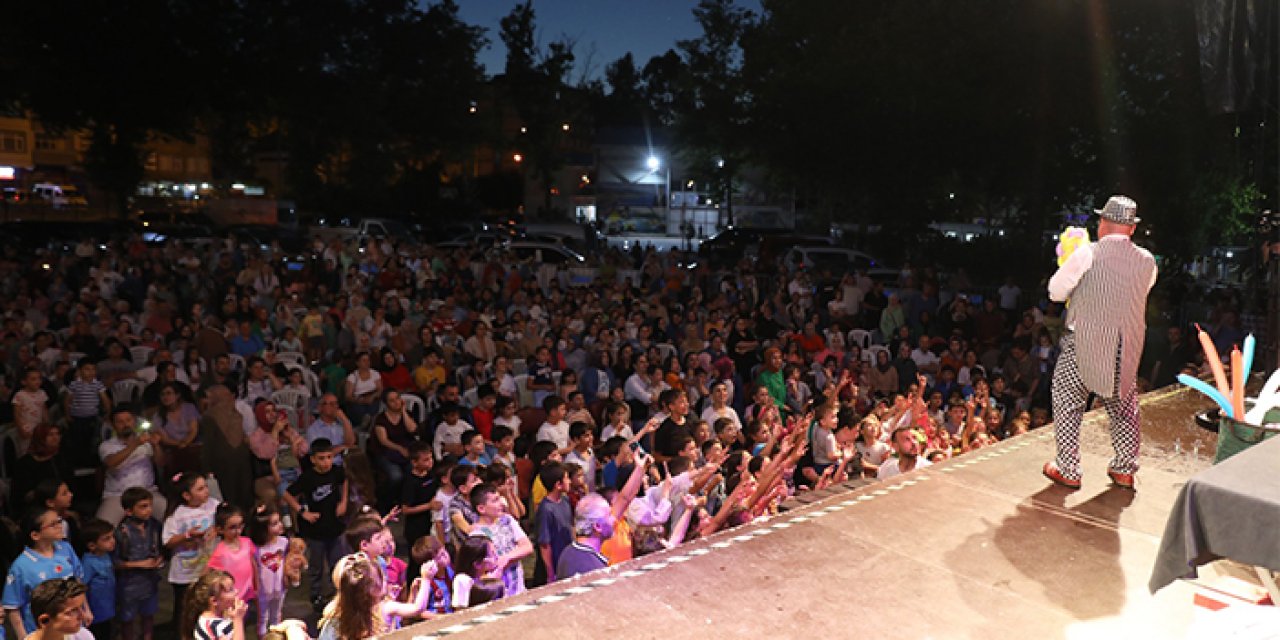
(653, 163)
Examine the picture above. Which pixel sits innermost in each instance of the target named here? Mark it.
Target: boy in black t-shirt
(418, 499)
(319, 495)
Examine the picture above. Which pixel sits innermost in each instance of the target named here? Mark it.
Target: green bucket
(1235, 436)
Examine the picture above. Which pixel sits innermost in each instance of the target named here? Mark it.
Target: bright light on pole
(653, 163)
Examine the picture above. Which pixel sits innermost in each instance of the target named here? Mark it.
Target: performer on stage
(1107, 283)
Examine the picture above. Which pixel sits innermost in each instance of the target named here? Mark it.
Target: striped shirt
(212, 628)
(85, 398)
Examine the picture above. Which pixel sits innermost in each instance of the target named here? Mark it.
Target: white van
(58, 195)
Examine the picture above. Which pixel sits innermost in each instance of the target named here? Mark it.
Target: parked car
(735, 243)
(59, 195)
(544, 253)
(820, 258)
(359, 230)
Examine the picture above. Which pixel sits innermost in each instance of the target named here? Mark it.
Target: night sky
(644, 27)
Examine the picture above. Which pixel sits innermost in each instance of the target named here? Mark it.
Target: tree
(718, 104)
(535, 84)
(83, 67)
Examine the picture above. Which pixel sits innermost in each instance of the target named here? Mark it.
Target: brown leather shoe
(1051, 472)
(1122, 480)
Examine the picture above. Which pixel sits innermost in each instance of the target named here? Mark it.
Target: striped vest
(1108, 313)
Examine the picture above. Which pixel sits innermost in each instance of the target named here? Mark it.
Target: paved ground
(981, 547)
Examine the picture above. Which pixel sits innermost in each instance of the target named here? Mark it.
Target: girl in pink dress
(235, 553)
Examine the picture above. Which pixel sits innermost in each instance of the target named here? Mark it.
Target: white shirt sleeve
(636, 389)
(462, 591)
(438, 442)
(1064, 281)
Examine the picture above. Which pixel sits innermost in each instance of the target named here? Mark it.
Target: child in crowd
(439, 585)
(234, 552)
(189, 534)
(619, 423)
(448, 438)
(501, 478)
(58, 609)
(483, 413)
(473, 448)
(539, 455)
(541, 381)
(471, 587)
(138, 558)
(267, 534)
(461, 516)
(581, 439)
(615, 458)
(444, 494)
(46, 556)
(555, 429)
(56, 495)
(417, 498)
(320, 497)
(363, 608)
(553, 522)
(86, 403)
(506, 409)
(99, 539)
(30, 408)
(504, 444)
(576, 409)
(212, 611)
(577, 482)
(510, 544)
(369, 534)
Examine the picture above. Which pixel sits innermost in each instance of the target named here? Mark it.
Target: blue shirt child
(30, 569)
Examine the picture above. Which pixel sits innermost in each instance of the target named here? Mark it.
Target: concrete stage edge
(980, 547)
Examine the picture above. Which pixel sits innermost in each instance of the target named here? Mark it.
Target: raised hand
(392, 515)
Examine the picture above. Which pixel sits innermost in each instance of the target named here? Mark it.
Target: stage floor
(980, 547)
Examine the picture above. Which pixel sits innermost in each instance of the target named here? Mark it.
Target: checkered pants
(1071, 397)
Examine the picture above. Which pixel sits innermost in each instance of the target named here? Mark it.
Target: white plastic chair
(127, 391)
(522, 387)
(667, 350)
(309, 378)
(292, 414)
(289, 398)
(519, 366)
(414, 405)
(870, 354)
(291, 357)
(860, 337)
(140, 354)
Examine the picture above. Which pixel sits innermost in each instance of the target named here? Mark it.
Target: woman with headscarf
(225, 451)
(882, 378)
(395, 375)
(276, 445)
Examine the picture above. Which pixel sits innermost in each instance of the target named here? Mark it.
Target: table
(1230, 510)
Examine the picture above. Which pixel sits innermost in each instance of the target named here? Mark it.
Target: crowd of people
(210, 415)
